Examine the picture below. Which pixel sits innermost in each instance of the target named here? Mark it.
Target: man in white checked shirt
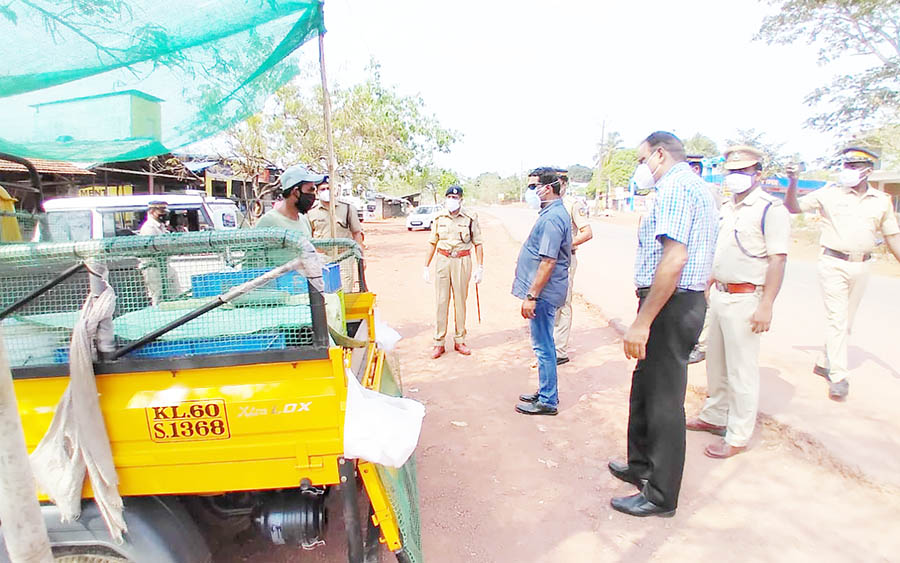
(676, 243)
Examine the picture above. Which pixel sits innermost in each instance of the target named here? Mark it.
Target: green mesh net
(158, 282)
(105, 80)
(402, 488)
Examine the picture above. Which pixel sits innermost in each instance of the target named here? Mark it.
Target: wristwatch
(530, 297)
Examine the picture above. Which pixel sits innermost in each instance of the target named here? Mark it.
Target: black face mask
(305, 202)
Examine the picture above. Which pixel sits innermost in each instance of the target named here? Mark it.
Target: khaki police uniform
(850, 226)
(150, 269)
(732, 357)
(455, 238)
(346, 223)
(563, 324)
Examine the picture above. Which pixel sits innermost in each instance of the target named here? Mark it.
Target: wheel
(428, 228)
(87, 554)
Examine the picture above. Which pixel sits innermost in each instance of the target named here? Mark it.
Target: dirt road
(497, 486)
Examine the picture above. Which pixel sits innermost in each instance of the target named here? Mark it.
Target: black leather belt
(642, 292)
(849, 257)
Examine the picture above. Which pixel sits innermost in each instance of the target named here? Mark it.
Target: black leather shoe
(532, 398)
(822, 372)
(536, 408)
(620, 471)
(638, 505)
(561, 361)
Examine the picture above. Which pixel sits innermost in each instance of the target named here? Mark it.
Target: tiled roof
(46, 167)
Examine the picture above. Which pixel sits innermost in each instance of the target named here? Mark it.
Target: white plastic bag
(380, 428)
(385, 336)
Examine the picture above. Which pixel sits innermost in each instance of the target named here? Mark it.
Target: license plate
(189, 421)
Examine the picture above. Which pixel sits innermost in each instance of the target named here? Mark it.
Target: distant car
(422, 217)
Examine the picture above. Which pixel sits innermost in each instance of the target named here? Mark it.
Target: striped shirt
(684, 211)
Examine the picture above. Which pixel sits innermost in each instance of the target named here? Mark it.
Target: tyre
(87, 554)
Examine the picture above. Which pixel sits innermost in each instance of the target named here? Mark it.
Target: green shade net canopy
(109, 80)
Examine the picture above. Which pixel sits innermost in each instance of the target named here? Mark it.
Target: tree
(774, 161)
(701, 145)
(579, 173)
(378, 133)
(860, 100)
(616, 172)
(489, 186)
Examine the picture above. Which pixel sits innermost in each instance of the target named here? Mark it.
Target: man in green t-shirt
(298, 194)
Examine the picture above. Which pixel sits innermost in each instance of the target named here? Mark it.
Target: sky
(529, 83)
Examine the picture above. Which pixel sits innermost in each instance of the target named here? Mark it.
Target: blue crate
(217, 283)
(159, 349)
(331, 276)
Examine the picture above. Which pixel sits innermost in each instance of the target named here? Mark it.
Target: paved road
(862, 434)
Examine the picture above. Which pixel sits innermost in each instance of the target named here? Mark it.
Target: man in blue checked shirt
(542, 282)
(676, 243)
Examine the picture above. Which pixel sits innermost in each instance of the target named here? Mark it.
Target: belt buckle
(856, 256)
(454, 254)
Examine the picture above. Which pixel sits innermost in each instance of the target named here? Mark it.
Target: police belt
(454, 253)
(737, 287)
(849, 257)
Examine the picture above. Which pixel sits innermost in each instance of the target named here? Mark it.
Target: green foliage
(701, 145)
(378, 133)
(489, 187)
(839, 28)
(615, 173)
(579, 173)
(885, 140)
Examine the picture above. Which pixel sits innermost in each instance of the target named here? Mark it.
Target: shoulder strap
(762, 222)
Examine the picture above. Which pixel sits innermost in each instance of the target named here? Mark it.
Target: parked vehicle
(422, 217)
(75, 219)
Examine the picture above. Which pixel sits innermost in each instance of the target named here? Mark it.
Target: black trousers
(656, 406)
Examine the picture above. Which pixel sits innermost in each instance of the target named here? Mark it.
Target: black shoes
(560, 361)
(822, 372)
(838, 390)
(536, 408)
(638, 505)
(620, 471)
(530, 398)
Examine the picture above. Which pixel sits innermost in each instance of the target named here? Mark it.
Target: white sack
(380, 428)
(386, 337)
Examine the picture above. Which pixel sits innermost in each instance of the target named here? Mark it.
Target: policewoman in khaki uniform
(346, 225)
(455, 233)
(748, 268)
(853, 214)
(581, 233)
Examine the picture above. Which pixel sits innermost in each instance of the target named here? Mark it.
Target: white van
(96, 217)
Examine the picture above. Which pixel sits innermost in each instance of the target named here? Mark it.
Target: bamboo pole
(23, 524)
(326, 110)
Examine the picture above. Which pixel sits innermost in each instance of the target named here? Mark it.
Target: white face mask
(532, 200)
(849, 178)
(643, 176)
(738, 183)
(452, 204)
(325, 195)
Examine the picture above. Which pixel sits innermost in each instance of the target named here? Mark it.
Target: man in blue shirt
(676, 243)
(542, 281)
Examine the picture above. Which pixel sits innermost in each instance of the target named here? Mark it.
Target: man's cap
(157, 205)
(454, 190)
(694, 158)
(324, 181)
(297, 174)
(742, 156)
(858, 154)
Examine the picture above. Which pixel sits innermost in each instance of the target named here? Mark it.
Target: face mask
(849, 178)
(325, 195)
(532, 200)
(738, 183)
(643, 176)
(452, 204)
(305, 202)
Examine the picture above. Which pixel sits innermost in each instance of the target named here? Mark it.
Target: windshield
(423, 210)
